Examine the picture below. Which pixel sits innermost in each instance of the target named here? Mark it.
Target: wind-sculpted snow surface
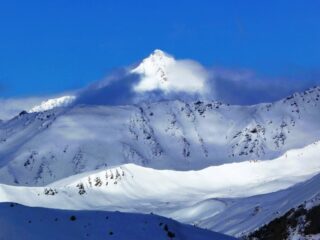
(172, 135)
(233, 198)
(20, 222)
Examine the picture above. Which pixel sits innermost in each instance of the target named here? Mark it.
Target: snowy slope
(244, 215)
(20, 222)
(224, 198)
(34, 146)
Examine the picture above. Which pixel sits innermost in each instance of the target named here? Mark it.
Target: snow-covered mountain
(227, 168)
(82, 138)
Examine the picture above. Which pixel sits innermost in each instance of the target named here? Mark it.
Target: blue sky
(52, 46)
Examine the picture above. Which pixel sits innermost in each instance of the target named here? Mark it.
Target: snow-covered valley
(232, 198)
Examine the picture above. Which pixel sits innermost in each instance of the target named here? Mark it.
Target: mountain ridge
(139, 134)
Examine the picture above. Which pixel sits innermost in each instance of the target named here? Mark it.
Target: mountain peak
(155, 69)
(156, 62)
(158, 52)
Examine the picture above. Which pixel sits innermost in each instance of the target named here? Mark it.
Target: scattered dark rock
(171, 234)
(23, 113)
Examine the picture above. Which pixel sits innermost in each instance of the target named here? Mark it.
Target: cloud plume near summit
(157, 77)
(160, 71)
(162, 77)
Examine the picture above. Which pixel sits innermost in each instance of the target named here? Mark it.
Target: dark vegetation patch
(306, 221)
(313, 221)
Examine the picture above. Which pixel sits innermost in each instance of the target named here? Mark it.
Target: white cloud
(187, 76)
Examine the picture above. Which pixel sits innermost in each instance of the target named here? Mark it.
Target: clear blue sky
(51, 46)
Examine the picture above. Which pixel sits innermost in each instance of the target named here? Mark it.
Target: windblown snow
(53, 103)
